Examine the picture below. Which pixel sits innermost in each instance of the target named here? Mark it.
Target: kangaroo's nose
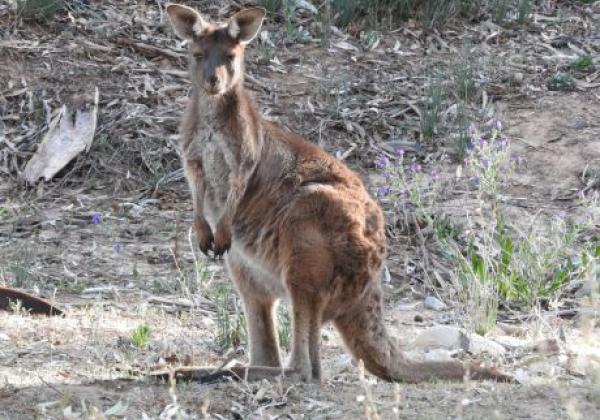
(213, 80)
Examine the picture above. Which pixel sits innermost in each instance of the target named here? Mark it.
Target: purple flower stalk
(502, 143)
(518, 159)
(415, 167)
(381, 161)
(384, 191)
(96, 218)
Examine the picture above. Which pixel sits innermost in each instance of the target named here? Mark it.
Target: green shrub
(583, 63)
(561, 82)
(39, 9)
(272, 6)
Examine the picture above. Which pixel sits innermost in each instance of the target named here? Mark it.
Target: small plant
(461, 138)
(39, 9)
(140, 337)
(561, 82)
(369, 39)
(284, 327)
(435, 13)
(583, 63)
(463, 78)
(293, 31)
(412, 190)
(430, 110)
(20, 269)
(499, 10)
(523, 10)
(231, 328)
(272, 6)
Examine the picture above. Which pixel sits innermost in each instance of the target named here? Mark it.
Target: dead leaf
(69, 134)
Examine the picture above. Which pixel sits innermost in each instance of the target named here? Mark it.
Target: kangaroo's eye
(230, 57)
(198, 56)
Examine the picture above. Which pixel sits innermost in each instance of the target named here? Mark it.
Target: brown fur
(304, 227)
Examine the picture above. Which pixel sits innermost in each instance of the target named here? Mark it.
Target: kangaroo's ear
(245, 24)
(186, 21)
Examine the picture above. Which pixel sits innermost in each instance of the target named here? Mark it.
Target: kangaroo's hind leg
(308, 275)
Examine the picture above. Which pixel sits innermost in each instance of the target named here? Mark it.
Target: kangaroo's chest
(217, 161)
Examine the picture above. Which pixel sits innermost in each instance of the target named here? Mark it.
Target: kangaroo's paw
(204, 235)
(222, 241)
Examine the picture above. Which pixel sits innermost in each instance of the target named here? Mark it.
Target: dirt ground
(138, 264)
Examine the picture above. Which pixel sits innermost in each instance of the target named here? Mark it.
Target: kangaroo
(295, 222)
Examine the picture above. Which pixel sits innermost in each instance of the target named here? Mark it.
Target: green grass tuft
(583, 63)
(140, 337)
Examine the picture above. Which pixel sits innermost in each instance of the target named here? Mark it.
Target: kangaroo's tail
(365, 334)
(32, 303)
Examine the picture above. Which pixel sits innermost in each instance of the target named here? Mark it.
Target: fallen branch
(31, 303)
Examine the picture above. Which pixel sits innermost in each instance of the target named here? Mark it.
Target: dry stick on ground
(33, 304)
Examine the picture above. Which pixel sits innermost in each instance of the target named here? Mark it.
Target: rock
(434, 304)
(517, 78)
(549, 345)
(512, 343)
(438, 355)
(418, 318)
(442, 337)
(451, 338)
(481, 345)
(306, 5)
(342, 364)
(588, 288)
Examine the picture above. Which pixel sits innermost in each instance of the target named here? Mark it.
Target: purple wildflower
(502, 143)
(117, 248)
(482, 141)
(475, 180)
(518, 159)
(415, 167)
(96, 218)
(400, 152)
(498, 124)
(384, 191)
(591, 216)
(469, 147)
(381, 161)
(435, 174)
(486, 163)
(472, 129)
